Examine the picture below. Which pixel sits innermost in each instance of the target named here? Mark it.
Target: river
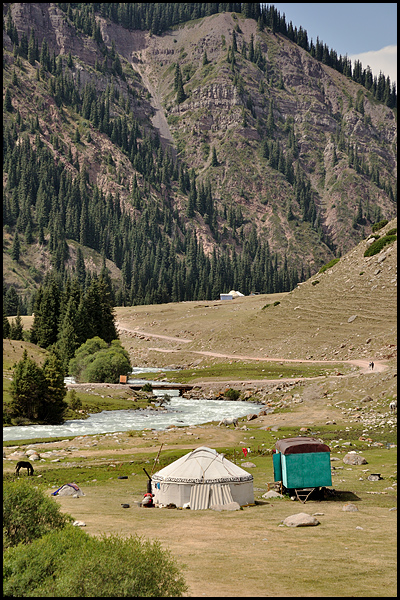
(179, 411)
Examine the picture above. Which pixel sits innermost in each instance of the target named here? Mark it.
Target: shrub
(99, 362)
(379, 225)
(232, 394)
(329, 265)
(28, 513)
(147, 387)
(74, 400)
(70, 563)
(315, 282)
(377, 246)
(276, 303)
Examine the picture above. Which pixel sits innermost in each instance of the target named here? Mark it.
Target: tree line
(44, 203)
(155, 247)
(158, 17)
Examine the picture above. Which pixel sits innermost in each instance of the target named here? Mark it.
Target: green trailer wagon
(302, 464)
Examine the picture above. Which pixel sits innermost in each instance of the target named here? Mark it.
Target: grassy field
(256, 345)
(247, 552)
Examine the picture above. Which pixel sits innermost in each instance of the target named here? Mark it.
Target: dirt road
(362, 365)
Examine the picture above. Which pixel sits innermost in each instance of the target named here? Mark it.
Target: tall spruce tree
(16, 328)
(6, 325)
(27, 388)
(53, 405)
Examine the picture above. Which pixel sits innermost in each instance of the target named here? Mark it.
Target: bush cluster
(379, 225)
(46, 556)
(99, 362)
(377, 245)
(232, 394)
(329, 265)
(28, 514)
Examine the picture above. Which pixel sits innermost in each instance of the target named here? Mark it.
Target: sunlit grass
(259, 370)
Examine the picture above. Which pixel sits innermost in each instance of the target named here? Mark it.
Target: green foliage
(6, 325)
(147, 387)
(53, 404)
(329, 265)
(16, 328)
(377, 246)
(97, 361)
(70, 563)
(214, 159)
(379, 225)
(27, 388)
(28, 514)
(38, 393)
(74, 400)
(231, 394)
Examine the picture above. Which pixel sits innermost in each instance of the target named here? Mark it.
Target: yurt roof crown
(202, 465)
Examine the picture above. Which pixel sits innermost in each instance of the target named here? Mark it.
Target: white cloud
(384, 60)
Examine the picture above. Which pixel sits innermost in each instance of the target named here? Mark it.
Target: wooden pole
(156, 459)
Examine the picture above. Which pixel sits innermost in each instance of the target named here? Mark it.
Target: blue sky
(364, 31)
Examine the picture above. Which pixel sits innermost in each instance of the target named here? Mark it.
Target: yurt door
(200, 496)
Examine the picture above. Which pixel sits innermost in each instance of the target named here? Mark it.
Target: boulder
(272, 494)
(252, 416)
(354, 459)
(248, 465)
(229, 506)
(350, 507)
(300, 520)
(367, 399)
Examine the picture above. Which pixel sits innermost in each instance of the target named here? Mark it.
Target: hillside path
(362, 364)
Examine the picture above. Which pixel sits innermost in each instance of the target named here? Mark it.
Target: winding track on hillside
(362, 364)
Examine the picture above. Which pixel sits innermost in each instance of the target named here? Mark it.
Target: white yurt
(202, 478)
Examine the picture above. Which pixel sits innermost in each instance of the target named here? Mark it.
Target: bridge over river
(164, 385)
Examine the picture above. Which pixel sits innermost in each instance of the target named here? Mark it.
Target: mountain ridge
(307, 215)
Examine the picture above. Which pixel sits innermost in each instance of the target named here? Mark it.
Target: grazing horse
(233, 421)
(24, 464)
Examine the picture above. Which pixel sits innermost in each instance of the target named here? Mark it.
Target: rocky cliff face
(319, 118)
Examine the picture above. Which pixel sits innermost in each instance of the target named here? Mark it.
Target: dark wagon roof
(300, 445)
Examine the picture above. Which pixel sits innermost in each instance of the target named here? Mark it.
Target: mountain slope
(297, 156)
(347, 312)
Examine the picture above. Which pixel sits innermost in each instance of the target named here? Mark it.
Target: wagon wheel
(304, 494)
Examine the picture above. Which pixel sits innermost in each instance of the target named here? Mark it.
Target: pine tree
(180, 94)
(45, 324)
(16, 248)
(178, 85)
(16, 328)
(6, 325)
(7, 101)
(27, 389)
(53, 405)
(68, 339)
(80, 268)
(214, 160)
(11, 301)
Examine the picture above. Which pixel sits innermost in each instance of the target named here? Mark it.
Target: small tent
(68, 489)
(202, 478)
